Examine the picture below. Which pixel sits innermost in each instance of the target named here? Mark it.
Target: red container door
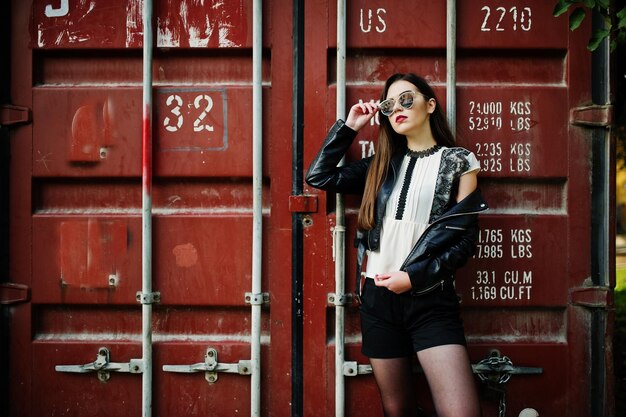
(529, 304)
(533, 303)
(76, 201)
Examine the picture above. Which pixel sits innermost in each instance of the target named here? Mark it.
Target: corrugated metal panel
(75, 198)
(76, 204)
(519, 72)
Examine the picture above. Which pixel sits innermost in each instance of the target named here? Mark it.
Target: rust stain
(186, 255)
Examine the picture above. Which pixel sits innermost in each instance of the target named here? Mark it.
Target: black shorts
(398, 325)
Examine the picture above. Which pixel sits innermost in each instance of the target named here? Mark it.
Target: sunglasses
(405, 99)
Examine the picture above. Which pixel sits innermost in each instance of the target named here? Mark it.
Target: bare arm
(467, 184)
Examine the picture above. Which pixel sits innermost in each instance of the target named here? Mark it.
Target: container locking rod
(103, 366)
(211, 367)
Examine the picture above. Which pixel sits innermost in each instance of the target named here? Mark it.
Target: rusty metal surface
(78, 239)
(519, 72)
(118, 24)
(75, 230)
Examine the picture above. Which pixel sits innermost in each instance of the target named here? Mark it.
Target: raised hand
(360, 114)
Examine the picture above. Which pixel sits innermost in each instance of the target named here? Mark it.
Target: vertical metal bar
(600, 227)
(257, 203)
(146, 212)
(341, 59)
(297, 232)
(600, 92)
(451, 64)
(340, 230)
(5, 98)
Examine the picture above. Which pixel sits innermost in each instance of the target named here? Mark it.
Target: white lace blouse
(408, 209)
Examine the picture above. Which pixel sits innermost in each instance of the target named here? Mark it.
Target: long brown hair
(390, 143)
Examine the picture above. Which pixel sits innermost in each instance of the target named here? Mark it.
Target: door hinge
(11, 293)
(596, 297)
(592, 116)
(13, 115)
(303, 203)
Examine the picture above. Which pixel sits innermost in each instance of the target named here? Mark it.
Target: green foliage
(576, 18)
(615, 22)
(620, 280)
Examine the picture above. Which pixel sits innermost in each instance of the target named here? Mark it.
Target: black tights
(396, 385)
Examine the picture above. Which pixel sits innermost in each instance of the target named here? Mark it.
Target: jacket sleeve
(443, 263)
(323, 172)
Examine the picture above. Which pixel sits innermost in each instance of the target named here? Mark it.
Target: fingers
(360, 114)
(381, 280)
(397, 282)
(366, 108)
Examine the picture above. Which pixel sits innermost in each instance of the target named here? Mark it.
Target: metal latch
(340, 299)
(148, 298)
(211, 367)
(592, 116)
(352, 368)
(103, 366)
(13, 115)
(257, 299)
(495, 371)
(11, 293)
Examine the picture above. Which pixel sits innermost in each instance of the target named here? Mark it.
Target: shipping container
(163, 256)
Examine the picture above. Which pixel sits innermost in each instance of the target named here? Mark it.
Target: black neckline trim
(422, 154)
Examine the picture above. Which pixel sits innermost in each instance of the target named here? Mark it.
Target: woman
(418, 223)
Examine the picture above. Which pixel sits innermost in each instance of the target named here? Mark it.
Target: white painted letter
(383, 27)
(61, 11)
(369, 23)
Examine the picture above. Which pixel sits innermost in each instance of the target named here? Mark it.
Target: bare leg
(449, 376)
(395, 383)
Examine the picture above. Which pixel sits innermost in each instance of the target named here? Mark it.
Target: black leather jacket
(443, 247)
